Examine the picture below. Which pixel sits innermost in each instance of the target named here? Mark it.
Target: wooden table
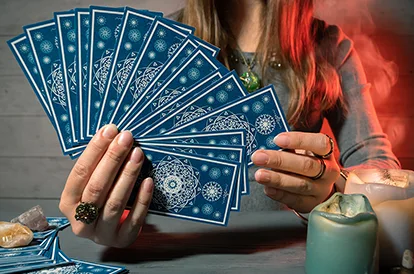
(263, 242)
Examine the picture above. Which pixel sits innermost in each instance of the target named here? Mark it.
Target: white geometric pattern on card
(190, 114)
(176, 184)
(72, 74)
(144, 78)
(167, 96)
(212, 191)
(228, 121)
(55, 83)
(100, 70)
(123, 69)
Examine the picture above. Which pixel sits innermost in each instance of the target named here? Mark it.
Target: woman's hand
(290, 179)
(104, 175)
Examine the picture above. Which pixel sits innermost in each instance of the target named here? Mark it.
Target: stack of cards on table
(43, 255)
(191, 116)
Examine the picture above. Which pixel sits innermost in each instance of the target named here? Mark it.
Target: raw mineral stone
(34, 219)
(14, 235)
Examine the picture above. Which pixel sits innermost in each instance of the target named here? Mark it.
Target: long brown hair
(312, 80)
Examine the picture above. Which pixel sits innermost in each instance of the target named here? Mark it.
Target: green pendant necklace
(250, 79)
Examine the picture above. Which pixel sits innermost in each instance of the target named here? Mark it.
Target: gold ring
(322, 171)
(86, 213)
(332, 143)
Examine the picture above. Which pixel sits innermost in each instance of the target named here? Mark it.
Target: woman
(317, 75)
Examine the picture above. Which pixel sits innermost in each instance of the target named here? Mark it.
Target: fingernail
(148, 185)
(125, 139)
(260, 158)
(270, 191)
(282, 140)
(110, 131)
(262, 176)
(136, 156)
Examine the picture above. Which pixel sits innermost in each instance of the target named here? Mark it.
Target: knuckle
(81, 170)
(79, 231)
(97, 146)
(309, 166)
(324, 141)
(276, 161)
(114, 206)
(130, 173)
(144, 202)
(95, 189)
(304, 187)
(114, 156)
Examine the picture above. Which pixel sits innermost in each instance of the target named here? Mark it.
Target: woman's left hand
(289, 179)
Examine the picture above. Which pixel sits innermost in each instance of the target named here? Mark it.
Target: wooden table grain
(253, 242)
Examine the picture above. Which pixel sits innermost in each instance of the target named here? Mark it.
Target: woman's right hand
(105, 175)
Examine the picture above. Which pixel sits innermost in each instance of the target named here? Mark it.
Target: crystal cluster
(14, 235)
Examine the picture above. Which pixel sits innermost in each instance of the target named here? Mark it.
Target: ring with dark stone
(86, 212)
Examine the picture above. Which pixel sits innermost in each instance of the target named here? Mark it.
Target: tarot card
(43, 40)
(191, 187)
(220, 93)
(162, 111)
(55, 224)
(78, 266)
(66, 33)
(134, 27)
(259, 113)
(104, 31)
(9, 254)
(191, 71)
(82, 26)
(224, 138)
(50, 258)
(24, 55)
(230, 153)
(162, 40)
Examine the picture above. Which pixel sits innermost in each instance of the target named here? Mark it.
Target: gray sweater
(358, 135)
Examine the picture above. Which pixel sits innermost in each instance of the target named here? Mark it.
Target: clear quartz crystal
(345, 205)
(34, 219)
(14, 235)
(391, 177)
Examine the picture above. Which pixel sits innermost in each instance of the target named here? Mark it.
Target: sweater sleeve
(358, 133)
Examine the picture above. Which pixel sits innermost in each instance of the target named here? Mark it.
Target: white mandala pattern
(71, 35)
(183, 80)
(193, 74)
(141, 82)
(100, 44)
(64, 118)
(161, 33)
(228, 121)
(160, 45)
(217, 215)
(214, 173)
(46, 46)
(123, 68)
(30, 58)
(101, 20)
(245, 108)
(133, 22)
(189, 115)
(105, 33)
(211, 100)
(204, 168)
(112, 103)
(67, 24)
(85, 22)
(152, 55)
(199, 63)
(270, 143)
(229, 87)
(266, 99)
(195, 210)
(212, 191)
(235, 140)
(222, 96)
(257, 107)
(24, 48)
(128, 46)
(46, 60)
(207, 209)
(134, 35)
(265, 124)
(176, 184)
(38, 36)
(226, 171)
(71, 48)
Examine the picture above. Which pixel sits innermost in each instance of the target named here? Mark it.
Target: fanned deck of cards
(191, 116)
(43, 255)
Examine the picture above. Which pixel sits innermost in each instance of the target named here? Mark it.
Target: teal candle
(342, 236)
